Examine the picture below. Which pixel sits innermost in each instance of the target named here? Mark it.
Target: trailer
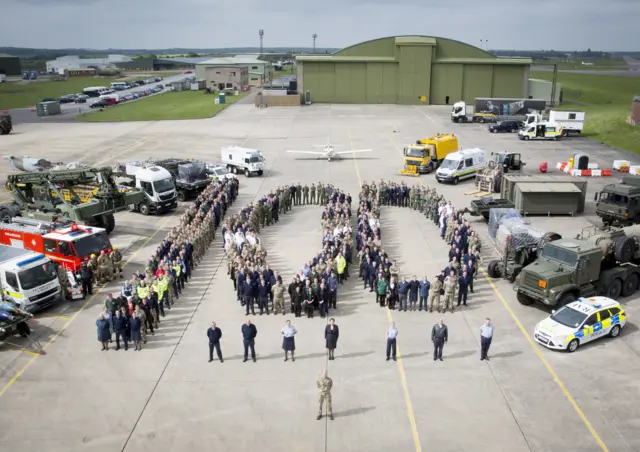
(15, 321)
(502, 107)
(570, 122)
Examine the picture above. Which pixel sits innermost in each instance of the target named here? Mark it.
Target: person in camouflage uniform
(312, 192)
(298, 194)
(325, 384)
(116, 259)
(305, 194)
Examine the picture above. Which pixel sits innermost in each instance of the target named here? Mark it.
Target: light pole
(314, 36)
(261, 34)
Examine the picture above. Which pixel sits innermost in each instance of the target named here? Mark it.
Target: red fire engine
(67, 244)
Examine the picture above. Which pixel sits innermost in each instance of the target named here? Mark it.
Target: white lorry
(569, 121)
(28, 279)
(157, 184)
(243, 160)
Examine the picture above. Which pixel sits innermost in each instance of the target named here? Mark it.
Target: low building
(80, 72)
(9, 65)
(221, 77)
(158, 64)
(75, 62)
(259, 71)
(543, 89)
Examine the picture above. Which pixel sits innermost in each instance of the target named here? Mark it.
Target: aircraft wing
(354, 151)
(331, 145)
(307, 152)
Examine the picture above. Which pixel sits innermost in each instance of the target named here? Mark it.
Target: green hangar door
(351, 83)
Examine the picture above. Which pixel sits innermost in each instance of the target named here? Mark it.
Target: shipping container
(48, 108)
(509, 182)
(539, 198)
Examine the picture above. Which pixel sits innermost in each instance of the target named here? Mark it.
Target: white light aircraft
(329, 152)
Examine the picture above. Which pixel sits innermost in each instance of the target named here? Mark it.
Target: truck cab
(619, 203)
(157, 185)
(541, 131)
(29, 279)
(510, 161)
(428, 153)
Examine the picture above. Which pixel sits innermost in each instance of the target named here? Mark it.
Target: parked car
(67, 99)
(81, 99)
(102, 103)
(505, 126)
(49, 99)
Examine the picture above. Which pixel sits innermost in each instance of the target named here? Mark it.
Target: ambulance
(460, 165)
(68, 244)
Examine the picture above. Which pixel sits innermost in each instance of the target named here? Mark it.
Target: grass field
(170, 105)
(607, 100)
(27, 94)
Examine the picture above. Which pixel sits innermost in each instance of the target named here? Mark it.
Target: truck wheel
(565, 133)
(182, 195)
(527, 137)
(456, 180)
(630, 285)
(493, 269)
(573, 346)
(566, 299)
(614, 331)
(247, 173)
(524, 299)
(625, 249)
(260, 173)
(480, 120)
(144, 209)
(614, 289)
(23, 329)
(107, 222)
(430, 167)
(5, 216)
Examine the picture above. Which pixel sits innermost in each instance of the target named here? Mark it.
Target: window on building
(218, 73)
(229, 85)
(232, 73)
(254, 67)
(254, 78)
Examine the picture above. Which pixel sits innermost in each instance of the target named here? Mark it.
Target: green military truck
(619, 203)
(604, 263)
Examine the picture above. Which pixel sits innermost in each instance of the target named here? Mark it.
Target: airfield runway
(169, 398)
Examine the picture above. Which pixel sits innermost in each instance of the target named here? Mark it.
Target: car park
(81, 99)
(67, 99)
(580, 322)
(505, 126)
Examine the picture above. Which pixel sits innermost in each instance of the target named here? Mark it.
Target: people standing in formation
(315, 287)
(138, 308)
(331, 335)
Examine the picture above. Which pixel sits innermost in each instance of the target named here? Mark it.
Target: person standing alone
(289, 342)
(214, 334)
(439, 335)
(392, 334)
(486, 335)
(249, 333)
(325, 384)
(331, 334)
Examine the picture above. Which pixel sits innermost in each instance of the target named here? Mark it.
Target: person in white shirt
(251, 239)
(239, 236)
(443, 224)
(228, 240)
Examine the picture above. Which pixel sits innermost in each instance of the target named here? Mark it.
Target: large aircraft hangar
(411, 70)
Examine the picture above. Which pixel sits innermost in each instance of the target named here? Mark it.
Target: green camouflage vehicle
(619, 203)
(6, 125)
(567, 269)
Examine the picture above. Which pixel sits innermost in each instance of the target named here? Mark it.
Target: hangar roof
(385, 50)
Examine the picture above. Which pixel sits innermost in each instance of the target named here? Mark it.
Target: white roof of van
(465, 152)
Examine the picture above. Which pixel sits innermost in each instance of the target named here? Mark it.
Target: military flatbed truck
(481, 207)
(41, 196)
(605, 263)
(618, 204)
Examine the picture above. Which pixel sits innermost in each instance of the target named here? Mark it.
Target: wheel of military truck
(108, 222)
(630, 285)
(5, 216)
(493, 269)
(524, 299)
(614, 289)
(565, 300)
(625, 249)
(23, 329)
(144, 209)
(182, 195)
(247, 173)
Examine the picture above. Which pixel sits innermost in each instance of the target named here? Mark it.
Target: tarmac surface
(169, 398)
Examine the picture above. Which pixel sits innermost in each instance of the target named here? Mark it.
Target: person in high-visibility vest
(142, 290)
(177, 269)
(341, 264)
(162, 284)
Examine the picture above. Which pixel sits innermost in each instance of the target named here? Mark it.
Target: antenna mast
(261, 34)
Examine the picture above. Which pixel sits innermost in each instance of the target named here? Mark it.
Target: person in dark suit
(249, 333)
(331, 334)
(136, 334)
(121, 325)
(214, 334)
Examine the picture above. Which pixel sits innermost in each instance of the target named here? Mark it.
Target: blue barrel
(221, 98)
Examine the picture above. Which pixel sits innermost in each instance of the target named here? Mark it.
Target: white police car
(580, 322)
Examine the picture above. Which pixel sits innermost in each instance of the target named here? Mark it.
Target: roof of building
(195, 60)
(238, 59)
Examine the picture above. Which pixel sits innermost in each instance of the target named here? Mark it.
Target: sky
(610, 25)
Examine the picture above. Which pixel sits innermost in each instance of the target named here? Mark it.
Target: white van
(243, 160)
(461, 165)
(119, 86)
(29, 279)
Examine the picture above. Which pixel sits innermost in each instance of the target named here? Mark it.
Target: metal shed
(411, 70)
(48, 108)
(509, 182)
(539, 198)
